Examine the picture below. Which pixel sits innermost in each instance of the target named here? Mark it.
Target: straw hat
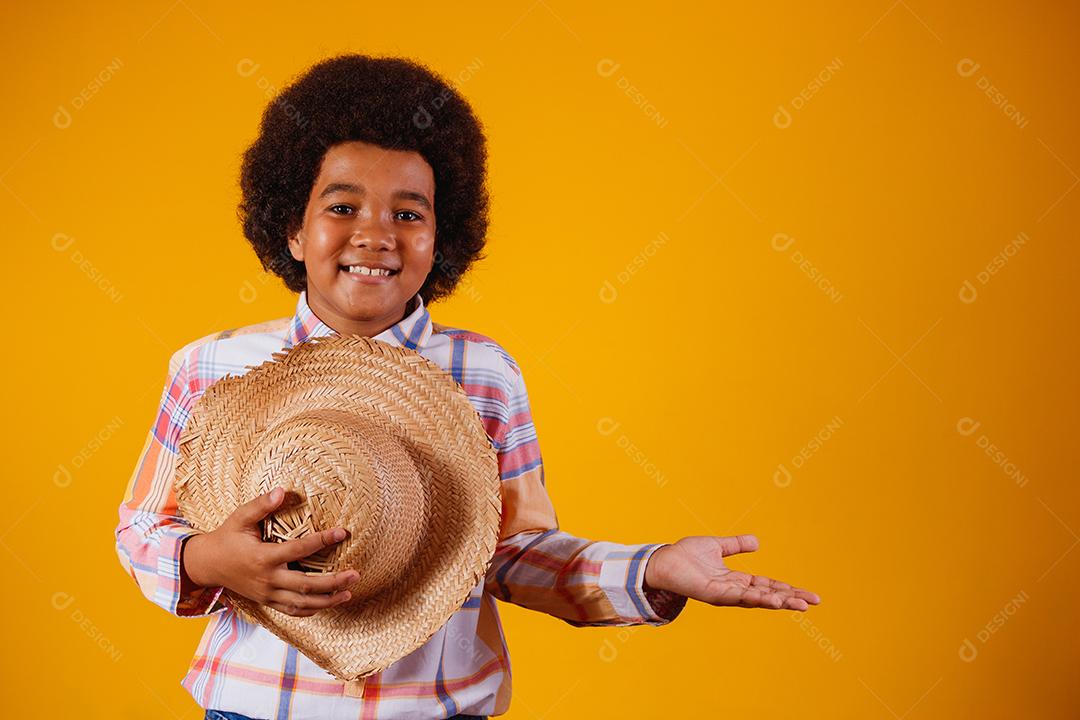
(364, 435)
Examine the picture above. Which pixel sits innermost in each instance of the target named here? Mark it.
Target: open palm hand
(694, 566)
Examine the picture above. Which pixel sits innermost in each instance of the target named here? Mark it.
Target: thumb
(735, 544)
(254, 510)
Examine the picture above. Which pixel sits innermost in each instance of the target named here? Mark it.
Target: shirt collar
(411, 332)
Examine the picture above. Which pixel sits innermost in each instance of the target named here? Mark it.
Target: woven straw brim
(375, 438)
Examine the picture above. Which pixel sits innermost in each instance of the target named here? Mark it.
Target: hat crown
(343, 469)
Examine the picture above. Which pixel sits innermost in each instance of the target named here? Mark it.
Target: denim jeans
(222, 715)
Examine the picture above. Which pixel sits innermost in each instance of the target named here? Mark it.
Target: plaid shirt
(462, 668)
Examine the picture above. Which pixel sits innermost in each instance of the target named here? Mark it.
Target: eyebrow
(359, 190)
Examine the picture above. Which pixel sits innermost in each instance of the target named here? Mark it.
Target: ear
(296, 245)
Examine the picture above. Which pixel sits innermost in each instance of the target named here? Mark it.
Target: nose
(374, 233)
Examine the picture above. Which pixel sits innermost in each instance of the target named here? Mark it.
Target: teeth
(365, 270)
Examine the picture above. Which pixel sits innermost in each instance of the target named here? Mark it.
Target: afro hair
(395, 103)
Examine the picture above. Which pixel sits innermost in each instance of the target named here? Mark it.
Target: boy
(365, 192)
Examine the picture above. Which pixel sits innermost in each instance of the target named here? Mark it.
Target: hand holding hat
(236, 557)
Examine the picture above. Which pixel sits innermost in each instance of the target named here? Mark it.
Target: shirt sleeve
(151, 534)
(538, 566)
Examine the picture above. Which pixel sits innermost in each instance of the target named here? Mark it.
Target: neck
(349, 326)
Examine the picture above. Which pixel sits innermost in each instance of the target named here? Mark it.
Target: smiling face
(369, 208)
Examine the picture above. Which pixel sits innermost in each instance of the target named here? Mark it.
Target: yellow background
(639, 154)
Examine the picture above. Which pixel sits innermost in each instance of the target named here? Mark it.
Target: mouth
(368, 275)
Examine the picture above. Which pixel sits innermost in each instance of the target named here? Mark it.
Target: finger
(290, 609)
(764, 598)
(777, 602)
(761, 597)
(254, 510)
(783, 600)
(309, 602)
(304, 584)
(740, 595)
(810, 597)
(767, 582)
(762, 581)
(794, 603)
(734, 544)
(301, 548)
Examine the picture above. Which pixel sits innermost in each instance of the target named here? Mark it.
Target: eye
(410, 212)
(339, 206)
